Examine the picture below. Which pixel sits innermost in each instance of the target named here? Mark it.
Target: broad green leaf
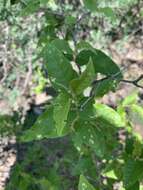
(102, 63)
(133, 172)
(90, 4)
(78, 85)
(94, 135)
(61, 110)
(62, 45)
(84, 184)
(108, 114)
(59, 68)
(44, 127)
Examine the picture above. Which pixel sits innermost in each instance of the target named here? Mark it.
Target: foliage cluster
(94, 157)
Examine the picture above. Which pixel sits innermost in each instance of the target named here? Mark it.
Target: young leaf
(61, 110)
(84, 184)
(78, 85)
(59, 68)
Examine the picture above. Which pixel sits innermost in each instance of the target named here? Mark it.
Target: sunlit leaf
(44, 127)
(108, 114)
(79, 84)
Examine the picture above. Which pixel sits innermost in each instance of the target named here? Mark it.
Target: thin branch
(133, 82)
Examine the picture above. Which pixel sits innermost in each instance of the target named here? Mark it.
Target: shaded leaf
(135, 186)
(96, 136)
(133, 172)
(102, 62)
(103, 87)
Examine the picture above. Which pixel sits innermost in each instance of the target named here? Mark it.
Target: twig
(134, 82)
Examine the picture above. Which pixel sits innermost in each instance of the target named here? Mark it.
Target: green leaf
(90, 4)
(78, 85)
(59, 68)
(62, 45)
(44, 127)
(133, 171)
(102, 63)
(108, 114)
(61, 110)
(103, 87)
(84, 184)
(95, 135)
